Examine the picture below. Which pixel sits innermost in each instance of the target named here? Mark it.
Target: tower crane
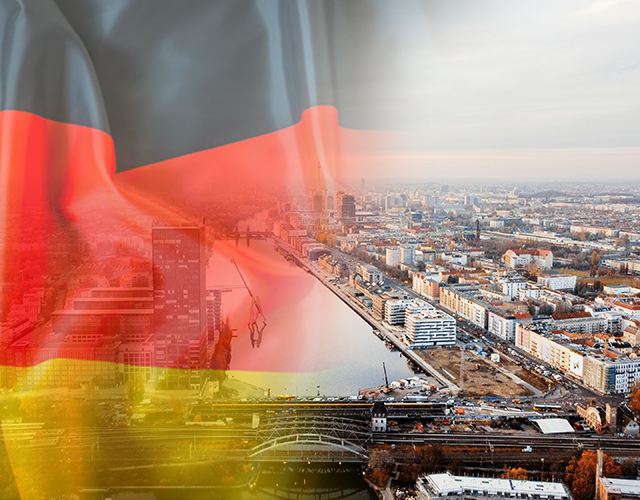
(254, 328)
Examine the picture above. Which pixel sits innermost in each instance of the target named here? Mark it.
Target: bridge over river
(313, 439)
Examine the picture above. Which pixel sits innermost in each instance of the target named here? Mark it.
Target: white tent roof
(553, 425)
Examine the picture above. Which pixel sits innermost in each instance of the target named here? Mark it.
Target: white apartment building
(611, 374)
(558, 281)
(580, 323)
(620, 290)
(428, 327)
(393, 256)
(605, 371)
(512, 287)
(394, 309)
(531, 292)
(613, 318)
(502, 324)
(454, 258)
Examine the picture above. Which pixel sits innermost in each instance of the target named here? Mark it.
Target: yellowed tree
(515, 473)
(634, 403)
(580, 474)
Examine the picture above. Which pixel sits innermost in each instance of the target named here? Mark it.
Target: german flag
(138, 142)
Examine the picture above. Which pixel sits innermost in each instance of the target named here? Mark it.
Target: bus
(286, 397)
(544, 407)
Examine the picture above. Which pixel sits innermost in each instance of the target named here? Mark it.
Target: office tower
(179, 300)
(346, 206)
(319, 202)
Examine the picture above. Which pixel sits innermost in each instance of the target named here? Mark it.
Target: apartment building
(465, 301)
(558, 281)
(429, 327)
(393, 256)
(394, 309)
(427, 287)
(521, 257)
(611, 373)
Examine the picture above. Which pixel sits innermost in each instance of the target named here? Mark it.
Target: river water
(313, 343)
(300, 486)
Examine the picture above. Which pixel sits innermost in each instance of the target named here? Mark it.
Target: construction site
(477, 375)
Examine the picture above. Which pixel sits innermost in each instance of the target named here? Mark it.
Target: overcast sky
(495, 87)
(468, 88)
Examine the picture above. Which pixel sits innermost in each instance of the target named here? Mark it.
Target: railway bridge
(317, 439)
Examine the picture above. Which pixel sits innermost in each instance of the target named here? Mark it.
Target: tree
(634, 404)
(595, 260)
(580, 474)
(515, 473)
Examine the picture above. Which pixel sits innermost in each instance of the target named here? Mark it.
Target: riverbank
(384, 332)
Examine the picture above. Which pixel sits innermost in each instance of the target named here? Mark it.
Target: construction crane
(386, 380)
(254, 328)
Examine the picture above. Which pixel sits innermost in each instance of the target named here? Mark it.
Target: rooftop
(446, 484)
(622, 486)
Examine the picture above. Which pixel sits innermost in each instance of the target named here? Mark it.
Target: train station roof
(553, 425)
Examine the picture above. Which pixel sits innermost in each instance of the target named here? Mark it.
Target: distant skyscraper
(318, 202)
(179, 297)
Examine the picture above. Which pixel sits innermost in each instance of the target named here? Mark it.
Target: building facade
(179, 263)
(429, 327)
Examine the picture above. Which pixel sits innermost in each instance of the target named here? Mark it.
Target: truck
(415, 398)
(527, 449)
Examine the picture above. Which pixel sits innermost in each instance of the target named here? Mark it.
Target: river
(313, 343)
(299, 485)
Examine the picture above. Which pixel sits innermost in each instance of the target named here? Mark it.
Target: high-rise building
(393, 256)
(346, 206)
(179, 301)
(319, 202)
